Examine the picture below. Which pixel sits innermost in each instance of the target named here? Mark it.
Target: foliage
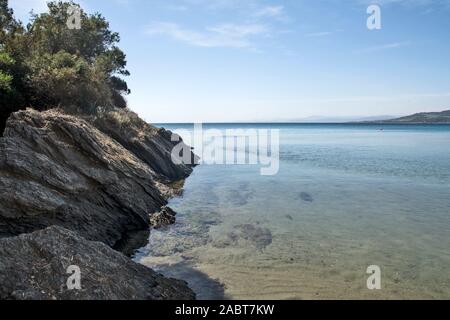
(9, 96)
(47, 64)
(5, 78)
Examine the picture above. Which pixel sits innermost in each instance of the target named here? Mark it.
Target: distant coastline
(431, 118)
(425, 118)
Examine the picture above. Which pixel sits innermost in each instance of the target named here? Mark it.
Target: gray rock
(34, 266)
(152, 145)
(246, 234)
(132, 241)
(164, 217)
(57, 169)
(69, 193)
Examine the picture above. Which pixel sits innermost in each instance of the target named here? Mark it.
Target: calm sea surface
(346, 197)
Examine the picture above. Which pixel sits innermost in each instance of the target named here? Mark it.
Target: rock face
(57, 169)
(34, 267)
(153, 146)
(60, 171)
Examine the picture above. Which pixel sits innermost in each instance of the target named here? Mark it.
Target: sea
(354, 211)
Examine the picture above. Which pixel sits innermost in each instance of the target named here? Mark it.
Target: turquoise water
(346, 197)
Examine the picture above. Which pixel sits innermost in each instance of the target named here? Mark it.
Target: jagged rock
(65, 184)
(132, 241)
(34, 266)
(164, 217)
(57, 169)
(152, 145)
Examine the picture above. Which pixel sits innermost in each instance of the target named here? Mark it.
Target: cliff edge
(83, 181)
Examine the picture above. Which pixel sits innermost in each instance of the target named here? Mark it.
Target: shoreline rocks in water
(34, 267)
(60, 171)
(164, 217)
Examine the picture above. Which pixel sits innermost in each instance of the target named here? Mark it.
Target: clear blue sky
(237, 60)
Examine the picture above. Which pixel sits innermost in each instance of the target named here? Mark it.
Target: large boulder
(57, 169)
(34, 267)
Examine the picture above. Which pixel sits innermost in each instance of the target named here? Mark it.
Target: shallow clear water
(346, 197)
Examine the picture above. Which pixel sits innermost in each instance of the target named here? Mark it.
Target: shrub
(48, 65)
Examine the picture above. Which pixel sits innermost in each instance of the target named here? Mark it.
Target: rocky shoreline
(76, 191)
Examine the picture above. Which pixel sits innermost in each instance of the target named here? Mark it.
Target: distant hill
(421, 118)
(323, 119)
(328, 119)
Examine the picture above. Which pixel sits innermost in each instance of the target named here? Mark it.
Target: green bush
(47, 65)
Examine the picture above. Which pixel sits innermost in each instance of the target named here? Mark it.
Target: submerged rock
(306, 197)
(34, 266)
(244, 234)
(260, 237)
(241, 195)
(229, 239)
(177, 240)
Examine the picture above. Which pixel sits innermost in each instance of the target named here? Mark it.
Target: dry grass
(126, 122)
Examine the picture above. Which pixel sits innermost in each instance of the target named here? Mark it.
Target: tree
(47, 64)
(5, 77)
(68, 81)
(94, 46)
(8, 25)
(10, 98)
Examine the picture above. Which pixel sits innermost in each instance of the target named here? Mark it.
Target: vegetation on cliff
(81, 184)
(46, 64)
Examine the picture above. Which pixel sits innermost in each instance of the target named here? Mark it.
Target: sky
(267, 60)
